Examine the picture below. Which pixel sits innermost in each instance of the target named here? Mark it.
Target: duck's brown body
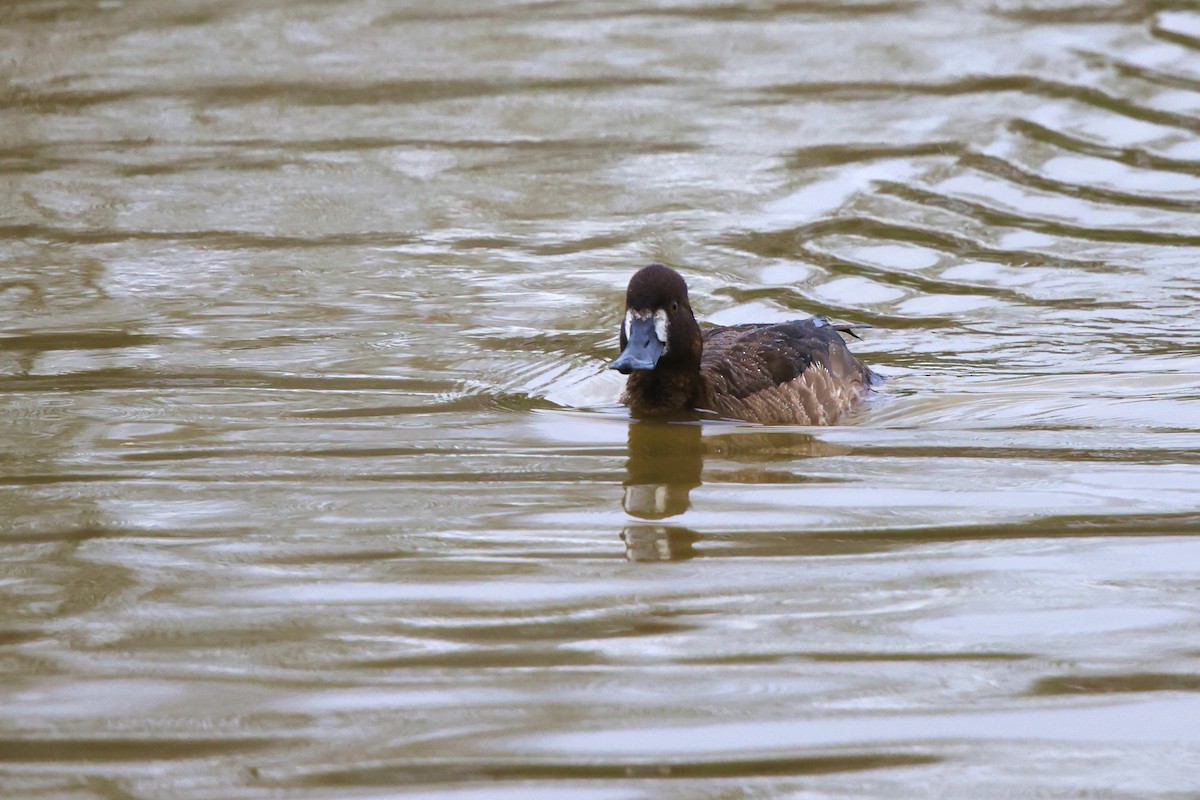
(789, 373)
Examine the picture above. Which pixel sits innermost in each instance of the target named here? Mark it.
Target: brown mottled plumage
(789, 373)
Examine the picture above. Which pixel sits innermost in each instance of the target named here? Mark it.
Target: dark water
(313, 484)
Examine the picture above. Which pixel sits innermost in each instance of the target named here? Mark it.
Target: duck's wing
(797, 372)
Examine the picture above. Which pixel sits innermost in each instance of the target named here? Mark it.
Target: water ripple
(314, 480)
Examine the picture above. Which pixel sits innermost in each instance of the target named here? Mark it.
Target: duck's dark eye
(674, 307)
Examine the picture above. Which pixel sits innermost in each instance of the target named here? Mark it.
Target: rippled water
(314, 484)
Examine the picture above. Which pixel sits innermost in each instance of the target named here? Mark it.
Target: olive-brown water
(314, 485)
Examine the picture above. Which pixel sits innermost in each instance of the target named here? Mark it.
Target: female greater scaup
(789, 373)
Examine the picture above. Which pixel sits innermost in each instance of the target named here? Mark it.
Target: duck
(798, 372)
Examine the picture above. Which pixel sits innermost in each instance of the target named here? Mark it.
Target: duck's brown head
(659, 331)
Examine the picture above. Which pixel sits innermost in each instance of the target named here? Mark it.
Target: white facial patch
(628, 322)
(660, 325)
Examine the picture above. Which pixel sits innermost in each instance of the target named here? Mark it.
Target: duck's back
(788, 373)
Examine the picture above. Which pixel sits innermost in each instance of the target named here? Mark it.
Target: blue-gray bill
(643, 350)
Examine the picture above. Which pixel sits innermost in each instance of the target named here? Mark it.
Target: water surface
(314, 484)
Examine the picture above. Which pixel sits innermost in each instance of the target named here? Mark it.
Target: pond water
(313, 479)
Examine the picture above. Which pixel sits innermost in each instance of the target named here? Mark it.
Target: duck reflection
(665, 462)
(659, 542)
